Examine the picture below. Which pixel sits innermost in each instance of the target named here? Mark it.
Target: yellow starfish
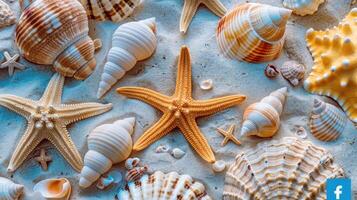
(47, 119)
(190, 7)
(228, 135)
(180, 110)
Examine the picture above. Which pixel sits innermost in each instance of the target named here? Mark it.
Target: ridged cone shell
(164, 186)
(327, 122)
(7, 16)
(303, 7)
(289, 168)
(132, 42)
(56, 33)
(263, 118)
(253, 32)
(108, 144)
(115, 11)
(293, 72)
(54, 189)
(9, 190)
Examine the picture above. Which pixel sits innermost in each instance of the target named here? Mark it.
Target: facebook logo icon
(339, 189)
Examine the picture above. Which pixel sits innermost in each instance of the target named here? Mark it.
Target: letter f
(338, 191)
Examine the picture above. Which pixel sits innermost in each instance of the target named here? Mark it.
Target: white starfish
(11, 63)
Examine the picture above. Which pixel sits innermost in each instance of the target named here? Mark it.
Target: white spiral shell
(10, 190)
(107, 144)
(303, 7)
(263, 118)
(54, 189)
(132, 42)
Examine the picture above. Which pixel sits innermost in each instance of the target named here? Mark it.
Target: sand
(158, 73)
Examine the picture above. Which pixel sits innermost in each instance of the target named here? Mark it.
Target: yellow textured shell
(335, 63)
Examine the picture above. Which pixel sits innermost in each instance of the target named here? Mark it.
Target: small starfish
(190, 7)
(180, 110)
(47, 119)
(11, 63)
(43, 159)
(228, 135)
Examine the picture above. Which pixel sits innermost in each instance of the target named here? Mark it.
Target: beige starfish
(228, 135)
(11, 63)
(47, 119)
(43, 159)
(190, 7)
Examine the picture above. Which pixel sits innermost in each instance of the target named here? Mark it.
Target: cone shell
(132, 42)
(303, 7)
(289, 168)
(56, 33)
(7, 16)
(108, 144)
(115, 11)
(164, 186)
(293, 72)
(263, 118)
(327, 122)
(253, 32)
(54, 189)
(9, 190)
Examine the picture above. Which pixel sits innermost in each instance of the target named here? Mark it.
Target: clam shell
(289, 168)
(7, 16)
(327, 122)
(9, 190)
(293, 72)
(303, 7)
(54, 189)
(253, 32)
(164, 186)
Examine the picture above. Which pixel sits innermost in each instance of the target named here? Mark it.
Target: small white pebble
(206, 84)
(219, 166)
(300, 131)
(177, 153)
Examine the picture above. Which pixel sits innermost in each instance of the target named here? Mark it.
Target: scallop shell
(7, 16)
(10, 190)
(293, 72)
(263, 118)
(56, 33)
(164, 186)
(289, 168)
(303, 7)
(253, 32)
(132, 42)
(271, 71)
(115, 11)
(327, 122)
(54, 189)
(108, 144)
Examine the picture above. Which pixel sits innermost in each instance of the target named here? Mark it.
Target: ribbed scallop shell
(164, 186)
(56, 33)
(327, 122)
(132, 42)
(303, 7)
(54, 189)
(7, 16)
(107, 144)
(289, 168)
(263, 118)
(9, 190)
(114, 10)
(293, 72)
(253, 32)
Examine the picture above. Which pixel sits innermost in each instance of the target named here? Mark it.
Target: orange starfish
(180, 110)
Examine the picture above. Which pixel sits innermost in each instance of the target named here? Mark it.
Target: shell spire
(10, 190)
(107, 144)
(132, 42)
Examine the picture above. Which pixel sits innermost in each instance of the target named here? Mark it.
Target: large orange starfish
(180, 110)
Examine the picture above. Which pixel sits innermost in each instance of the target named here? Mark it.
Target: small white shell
(9, 190)
(206, 84)
(162, 149)
(303, 7)
(54, 189)
(177, 153)
(271, 71)
(300, 131)
(105, 182)
(219, 166)
(130, 163)
(293, 72)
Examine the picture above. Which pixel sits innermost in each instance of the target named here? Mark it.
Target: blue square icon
(339, 189)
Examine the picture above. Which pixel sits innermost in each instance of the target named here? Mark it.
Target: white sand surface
(159, 73)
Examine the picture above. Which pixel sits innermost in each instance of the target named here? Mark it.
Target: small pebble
(219, 166)
(206, 84)
(177, 153)
(300, 131)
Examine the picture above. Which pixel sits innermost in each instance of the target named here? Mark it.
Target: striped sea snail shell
(10, 190)
(303, 7)
(253, 32)
(56, 33)
(293, 72)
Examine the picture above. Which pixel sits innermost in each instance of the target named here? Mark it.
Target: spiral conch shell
(7, 16)
(115, 11)
(108, 144)
(164, 186)
(54, 189)
(9, 190)
(303, 7)
(253, 32)
(263, 118)
(327, 122)
(132, 42)
(289, 168)
(293, 72)
(56, 33)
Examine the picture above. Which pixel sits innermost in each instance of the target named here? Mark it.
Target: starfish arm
(151, 97)
(188, 11)
(193, 135)
(155, 132)
(70, 113)
(53, 92)
(183, 80)
(216, 6)
(20, 105)
(211, 106)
